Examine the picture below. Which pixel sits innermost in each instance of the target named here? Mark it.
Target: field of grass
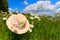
(48, 28)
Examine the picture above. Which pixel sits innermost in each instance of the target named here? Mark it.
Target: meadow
(47, 28)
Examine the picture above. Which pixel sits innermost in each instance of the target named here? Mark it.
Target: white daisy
(32, 14)
(5, 12)
(37, 17)
(50, 19)
(31, 25)
(31, 18)
(4, 18)
(2, 12)
(30, 30)
(58, 15)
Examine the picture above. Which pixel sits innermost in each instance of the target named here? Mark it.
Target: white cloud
(25, 2)
(30, 7)
(10, 9)
(44, 0)
(13, 10)
(58, 10)
(51, 7)
(43, 4)
(58, 3)
(46, 6)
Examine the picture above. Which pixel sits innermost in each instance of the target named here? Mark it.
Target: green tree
(4, 5)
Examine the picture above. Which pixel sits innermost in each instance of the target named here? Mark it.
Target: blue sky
(19, 4)
(49, 7)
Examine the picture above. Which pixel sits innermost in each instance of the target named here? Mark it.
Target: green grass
(43, 30)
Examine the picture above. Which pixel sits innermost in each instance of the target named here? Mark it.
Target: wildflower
(4, 18)
(50, 19)
(30, 30)
(2, 12)
(5, 12)
(58, 15)
(39, 19)
(31, 25)
(36, 17)
(31, 18)
(32, 14)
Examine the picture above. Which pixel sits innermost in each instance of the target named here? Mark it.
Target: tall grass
(48, 28)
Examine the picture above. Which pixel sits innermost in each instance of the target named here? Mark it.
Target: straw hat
(18, 23)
